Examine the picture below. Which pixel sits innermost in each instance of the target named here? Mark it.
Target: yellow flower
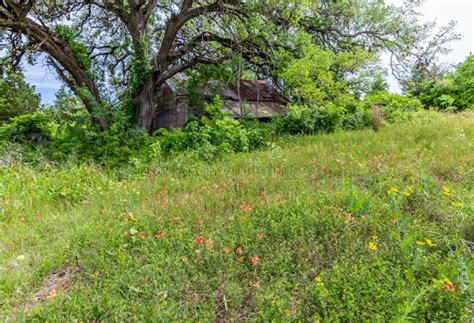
(318, 279)
(429, 243)
(420, 243)
(409, 191)
(375, 237)
(447, 281)
(373, 246)
(446, 191)
(457, 204)
(472, 196)
(393, 190)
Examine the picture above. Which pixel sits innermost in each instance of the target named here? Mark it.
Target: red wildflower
(240, 250)
(142, 234)
(161, 235)
(199, 240)
(247, 208)
(449, 286)
(255, 260)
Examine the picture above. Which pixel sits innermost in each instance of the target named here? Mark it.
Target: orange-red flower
(199, 240)
(240, 250)
(255, 260)
(161, 235)
(52, 294)
(448, 286)
(247, 208)
(227, 250)
(142, 234)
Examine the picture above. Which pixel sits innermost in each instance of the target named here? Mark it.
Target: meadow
(358, 225)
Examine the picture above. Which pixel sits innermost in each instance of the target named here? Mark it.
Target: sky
(441, 11)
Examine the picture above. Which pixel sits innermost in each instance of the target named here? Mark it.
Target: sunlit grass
(356, 225)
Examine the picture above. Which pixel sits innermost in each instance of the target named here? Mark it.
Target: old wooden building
(251, 98)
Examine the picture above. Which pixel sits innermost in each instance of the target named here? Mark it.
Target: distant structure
(255, 99)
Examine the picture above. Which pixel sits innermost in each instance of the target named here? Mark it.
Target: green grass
(309, 208)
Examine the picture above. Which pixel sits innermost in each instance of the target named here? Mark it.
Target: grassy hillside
(352, 225)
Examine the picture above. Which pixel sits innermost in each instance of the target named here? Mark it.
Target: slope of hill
(357, 225)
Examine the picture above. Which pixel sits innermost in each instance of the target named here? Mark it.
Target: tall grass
(355, 226)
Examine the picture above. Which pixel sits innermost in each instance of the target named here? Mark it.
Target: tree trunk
(145, 107)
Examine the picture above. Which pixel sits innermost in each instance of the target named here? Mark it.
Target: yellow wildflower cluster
(373, 246)
(457, 204)
(427, 242)
(409, 191)
(393, 190)
(446, 191)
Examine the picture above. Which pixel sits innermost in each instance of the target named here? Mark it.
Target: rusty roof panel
(259, 91)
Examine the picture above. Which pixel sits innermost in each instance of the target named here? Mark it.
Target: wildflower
(148, 198)
(420, 243)
(430, 243)
(240, 250)
(457, 204)
(393, 190)
(260, 235)
(52, 294)
(373, 246)
(209, 242)
(409, 191)
(448, 286)
(199, 240)
(318, 279)
(446, 191)
(131, 218)
(375, 237)
(256, 284)
(161, 235)
(240, 258)
(255, 260)
(247, 208)
(227, 250)
(142, 234)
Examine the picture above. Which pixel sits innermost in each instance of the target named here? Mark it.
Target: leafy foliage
(311, 120)
(453, 92)
(395, 107)
(213, 135)
(16, 97)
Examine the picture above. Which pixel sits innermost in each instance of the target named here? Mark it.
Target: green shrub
(453, 93)
(212, 135)
(16, 97)
(395, 107)
(311, 120)
(29, 129)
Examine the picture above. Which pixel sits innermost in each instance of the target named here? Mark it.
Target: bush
(212, 135)
(455, 92)
(395, 107)
(16, 97)
(311, 120)
(29, 129)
